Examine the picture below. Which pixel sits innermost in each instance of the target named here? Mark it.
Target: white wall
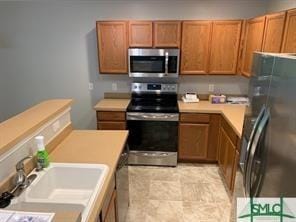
(279, 5)
(48, 49)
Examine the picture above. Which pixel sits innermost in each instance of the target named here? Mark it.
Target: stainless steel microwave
(153, 62)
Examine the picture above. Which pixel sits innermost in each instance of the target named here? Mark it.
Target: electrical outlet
(114, 86)
(56, 125)
(211, 87)
(90, 86)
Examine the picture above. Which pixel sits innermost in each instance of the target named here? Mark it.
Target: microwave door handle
(166, 63)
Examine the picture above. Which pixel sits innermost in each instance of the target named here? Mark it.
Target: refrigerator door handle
(252, 151)
(255, 127)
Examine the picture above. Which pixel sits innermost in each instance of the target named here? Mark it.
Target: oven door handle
(153, 116)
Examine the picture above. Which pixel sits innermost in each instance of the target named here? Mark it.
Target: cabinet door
(195, 47)
(193, 141)
(289, 41)
(111, 215)
(140, 34)
(253, 42)
(112, 47)
(222, 151)
(225, 47)
(273, 34)
(167, 34)
(229, 162)
(213, 137)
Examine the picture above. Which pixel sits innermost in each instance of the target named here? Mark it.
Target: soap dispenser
(42, 155)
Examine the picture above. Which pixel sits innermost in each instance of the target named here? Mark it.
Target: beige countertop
(92, 146)
(18, 127)
(112, 105)
(233, 113)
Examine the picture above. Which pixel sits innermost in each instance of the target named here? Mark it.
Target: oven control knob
(135, 86)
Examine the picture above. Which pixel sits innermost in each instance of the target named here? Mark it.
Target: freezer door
(256, 161)
(280, 175)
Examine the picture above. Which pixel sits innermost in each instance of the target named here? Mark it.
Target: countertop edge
(5, 147)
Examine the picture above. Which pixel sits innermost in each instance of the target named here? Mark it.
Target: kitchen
(37, 37)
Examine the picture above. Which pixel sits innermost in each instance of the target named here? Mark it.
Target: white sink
(66, 183)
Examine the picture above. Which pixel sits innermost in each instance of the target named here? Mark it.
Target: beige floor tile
(198, 211)
(197, 192)
(137, 211)
(164, 211)
(139, 189)
(187, 193)
(165, 190)
(165, 174)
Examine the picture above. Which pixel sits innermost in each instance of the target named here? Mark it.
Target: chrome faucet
(21, 179)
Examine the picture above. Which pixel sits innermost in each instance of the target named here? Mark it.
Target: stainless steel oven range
(152, 120)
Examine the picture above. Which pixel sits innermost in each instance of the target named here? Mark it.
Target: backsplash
(27, 146)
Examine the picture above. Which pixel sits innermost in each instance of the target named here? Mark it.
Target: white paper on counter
(19, 216)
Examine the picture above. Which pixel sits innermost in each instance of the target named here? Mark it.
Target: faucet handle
(20, 164)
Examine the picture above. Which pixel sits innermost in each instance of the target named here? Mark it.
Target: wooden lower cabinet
(198, 137)
(111, 120)
(109, 209)
(193, 141)
(228, 155)
(111, 214)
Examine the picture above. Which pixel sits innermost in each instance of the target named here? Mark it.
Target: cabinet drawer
(112, 116)
(229, 131)
(195, 117)
(111, 125)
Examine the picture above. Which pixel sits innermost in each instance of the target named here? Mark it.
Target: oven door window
(147, 64)
(153, 135)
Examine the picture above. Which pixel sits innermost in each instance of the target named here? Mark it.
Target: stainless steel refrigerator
(268, 153)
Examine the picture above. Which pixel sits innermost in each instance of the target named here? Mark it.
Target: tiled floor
(187, 193)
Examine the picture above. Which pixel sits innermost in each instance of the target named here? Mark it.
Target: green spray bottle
(42, 155)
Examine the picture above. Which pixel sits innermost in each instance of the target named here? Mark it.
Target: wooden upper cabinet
(253, 42)
(167, 34)
(112, 46)
(273, 34)
(140, 34)
(225, 47)
(289, 41)
(195, 47)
